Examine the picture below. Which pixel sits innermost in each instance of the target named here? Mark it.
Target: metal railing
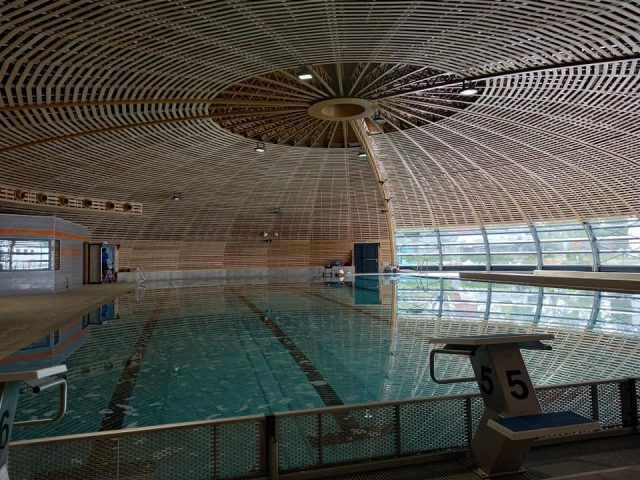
(261, 446)
(140, 276)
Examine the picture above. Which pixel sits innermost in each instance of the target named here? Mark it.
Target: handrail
(141, 275)
(293, 413)
(447, 351)
(62, 405)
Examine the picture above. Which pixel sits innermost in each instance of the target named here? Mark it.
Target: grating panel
(358, 434)
(477, 409)
(298, 442)
(85, 459)
(574, 399)
(167, 454)
(423, 429)
(610, 405)
(238, 450)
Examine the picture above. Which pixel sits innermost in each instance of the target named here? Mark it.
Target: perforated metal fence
(309, 439)
(199, 450)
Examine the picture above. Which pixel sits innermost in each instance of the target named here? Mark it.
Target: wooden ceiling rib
(137, 99)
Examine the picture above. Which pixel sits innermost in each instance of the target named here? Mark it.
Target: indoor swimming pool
(198, 352)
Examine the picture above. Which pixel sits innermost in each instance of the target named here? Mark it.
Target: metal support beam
(487, 253)
(595, 309)
(487, 310)
(441, 280)
(539, 305)
(439, 240)
(594, 246)
(536, 242)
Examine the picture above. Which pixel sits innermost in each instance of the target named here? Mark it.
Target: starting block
(39, 380)
(512, 419)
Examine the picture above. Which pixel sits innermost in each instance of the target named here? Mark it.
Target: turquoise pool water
(211, 351)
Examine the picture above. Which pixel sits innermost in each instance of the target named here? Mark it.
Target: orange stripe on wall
(42, 233)
(70, 252)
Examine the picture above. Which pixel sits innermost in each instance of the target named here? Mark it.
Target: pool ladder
(140, 278)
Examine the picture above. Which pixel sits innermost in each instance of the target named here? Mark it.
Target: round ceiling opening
(341, 109)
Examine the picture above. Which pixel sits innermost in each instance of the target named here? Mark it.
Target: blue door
(366, 257)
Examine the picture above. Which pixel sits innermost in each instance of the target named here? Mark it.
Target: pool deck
(26, 318)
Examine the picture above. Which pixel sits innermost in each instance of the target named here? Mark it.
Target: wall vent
(58, 200)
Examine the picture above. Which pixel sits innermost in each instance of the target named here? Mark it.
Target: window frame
(11, 254)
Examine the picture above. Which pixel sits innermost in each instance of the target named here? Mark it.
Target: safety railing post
(468, 411)
(595, 405)
(320, 450)
(629, 403)
(398, 429)
(271, 444)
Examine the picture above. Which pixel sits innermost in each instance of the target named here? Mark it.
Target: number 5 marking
(514, 382)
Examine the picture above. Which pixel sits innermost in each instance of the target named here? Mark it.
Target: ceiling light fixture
(305, 76)
(176, 196)
(259, 147)
(467, 90)
(377, 119)
(362, 154)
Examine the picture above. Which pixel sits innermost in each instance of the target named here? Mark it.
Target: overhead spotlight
(259, 147)
(305, 76)
(467, 90)
(176, 196)
(377, 119)
(362, 154)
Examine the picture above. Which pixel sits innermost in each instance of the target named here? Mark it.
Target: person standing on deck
(105, 263)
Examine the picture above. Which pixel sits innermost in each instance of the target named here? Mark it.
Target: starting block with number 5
(512, 419)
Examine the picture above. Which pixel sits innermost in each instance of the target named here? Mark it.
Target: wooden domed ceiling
(126, 102)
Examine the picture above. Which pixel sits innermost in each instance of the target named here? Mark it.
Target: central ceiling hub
(341, 109)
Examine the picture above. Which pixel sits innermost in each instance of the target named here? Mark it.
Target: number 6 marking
(4, 430)
(486, 384)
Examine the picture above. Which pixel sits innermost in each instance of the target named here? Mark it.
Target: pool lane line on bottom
(325, 391)
(350, 430)
(124, 388)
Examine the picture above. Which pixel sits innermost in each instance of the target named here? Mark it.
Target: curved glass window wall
(607, 245)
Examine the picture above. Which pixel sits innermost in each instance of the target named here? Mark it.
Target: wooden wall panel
(171, 256)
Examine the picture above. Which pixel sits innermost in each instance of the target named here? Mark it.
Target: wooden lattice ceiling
(115, 99)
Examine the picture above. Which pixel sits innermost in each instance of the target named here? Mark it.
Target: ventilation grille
(48, 199)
